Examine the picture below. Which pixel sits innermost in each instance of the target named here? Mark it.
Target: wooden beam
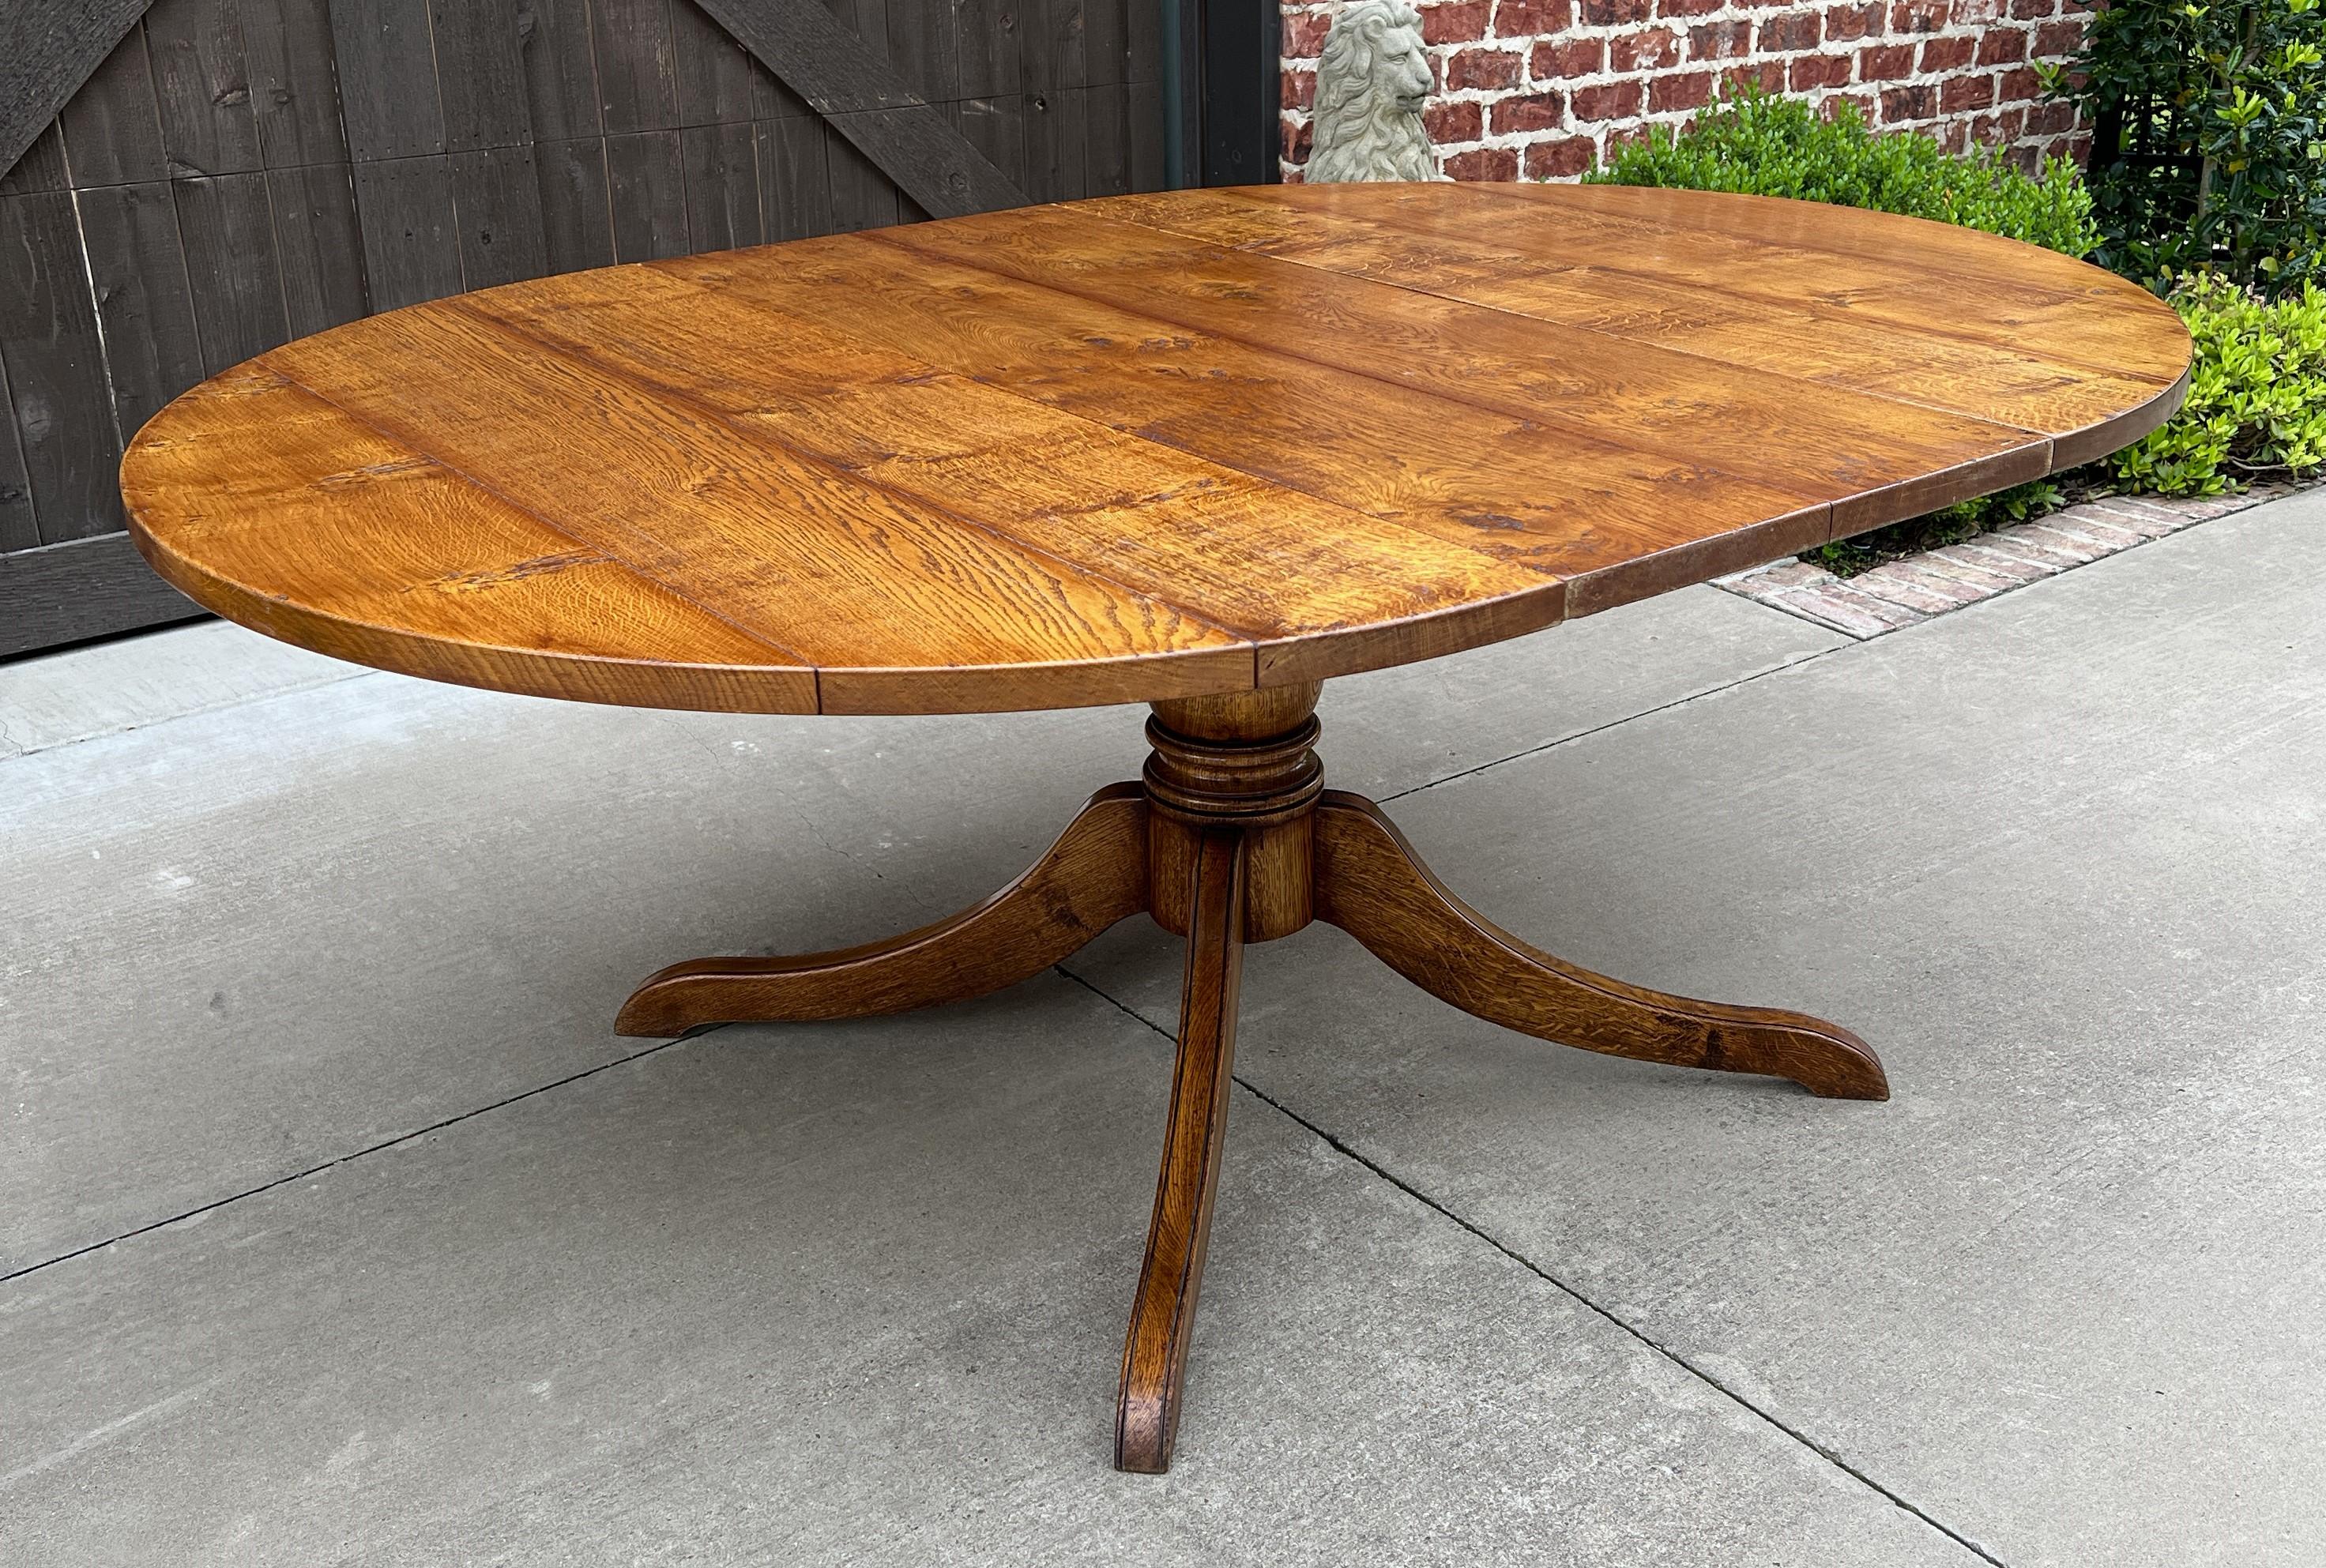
(847, 82)
(89, 588)
(48, 48)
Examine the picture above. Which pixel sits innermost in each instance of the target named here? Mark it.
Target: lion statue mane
(1370, 84)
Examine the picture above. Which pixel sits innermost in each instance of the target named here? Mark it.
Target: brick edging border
(1904, 593)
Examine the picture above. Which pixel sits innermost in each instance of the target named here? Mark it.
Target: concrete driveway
(338, 1228)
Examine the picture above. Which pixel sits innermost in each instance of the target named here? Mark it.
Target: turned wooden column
(1232, 788)
(1245, 761)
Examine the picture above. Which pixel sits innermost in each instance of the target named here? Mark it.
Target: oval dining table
(1202, 449)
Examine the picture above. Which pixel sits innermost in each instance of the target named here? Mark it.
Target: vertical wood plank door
(236, 173)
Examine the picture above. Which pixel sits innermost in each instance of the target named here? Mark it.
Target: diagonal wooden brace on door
(48, 48)
(847, 82)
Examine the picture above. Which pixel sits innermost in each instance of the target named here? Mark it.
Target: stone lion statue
(1370, 84)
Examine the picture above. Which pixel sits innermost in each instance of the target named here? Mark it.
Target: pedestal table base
(1230, 838)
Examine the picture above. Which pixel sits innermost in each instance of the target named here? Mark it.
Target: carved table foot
(1163, 1313)
(1093, 876)
(1372, 884)
(1230, 837)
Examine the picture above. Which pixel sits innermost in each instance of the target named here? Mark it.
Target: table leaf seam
(1433, 293)
(919, 355)
(1567, 424)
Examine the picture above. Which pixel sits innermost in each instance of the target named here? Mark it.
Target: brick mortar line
(1539, 88)
(1827, 1454)
(2040, 549)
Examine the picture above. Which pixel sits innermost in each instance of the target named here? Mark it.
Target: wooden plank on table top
(320, 243)
(2054, 320)
(1988, 291)
(112, 129)
(1616, 522)
(1272, 566)
(146, 302)
(274, 508)
(1805, 337)
(294, 82)
(55, 363)
(229, 226)
(869, 586)
(1881, 237)
(1876, 459)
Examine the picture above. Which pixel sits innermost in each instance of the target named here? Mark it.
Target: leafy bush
(1763, 145)
(1932, 530)
(2208, 153)
(2257, 394)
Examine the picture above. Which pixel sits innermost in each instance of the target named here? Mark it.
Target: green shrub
(2208, 153)
(1772, 146)
(2257, 394)
(2257, 390)
(1932, 530)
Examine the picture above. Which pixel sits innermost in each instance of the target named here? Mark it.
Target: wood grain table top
(1127, 449)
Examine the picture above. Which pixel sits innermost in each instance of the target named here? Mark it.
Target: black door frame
(1221, 69)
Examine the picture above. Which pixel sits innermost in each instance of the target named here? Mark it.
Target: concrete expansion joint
(1678, 702)
(333, 1163)
(1340, 1148)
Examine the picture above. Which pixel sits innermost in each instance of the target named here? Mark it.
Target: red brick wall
(1539, 88)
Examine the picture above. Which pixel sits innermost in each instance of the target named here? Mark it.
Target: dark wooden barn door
(188, 184)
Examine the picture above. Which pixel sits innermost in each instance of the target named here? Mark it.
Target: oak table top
(1127, 449)
(1203, 451)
